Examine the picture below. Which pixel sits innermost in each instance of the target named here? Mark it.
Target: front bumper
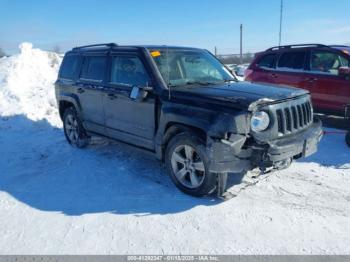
(234, 156)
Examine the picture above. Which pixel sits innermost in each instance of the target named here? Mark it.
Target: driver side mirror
(344, 72)
(139, 93)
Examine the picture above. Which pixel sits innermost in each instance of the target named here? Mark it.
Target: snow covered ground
(114, 199)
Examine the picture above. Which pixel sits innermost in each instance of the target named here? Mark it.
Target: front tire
(187, 163)
(73, 129)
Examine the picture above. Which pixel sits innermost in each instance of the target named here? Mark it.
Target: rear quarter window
(267, 61)
(292, 61)
(69, 66)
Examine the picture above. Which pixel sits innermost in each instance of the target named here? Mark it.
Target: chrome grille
(294, 118)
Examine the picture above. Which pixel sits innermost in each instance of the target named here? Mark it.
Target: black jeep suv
(185, 106)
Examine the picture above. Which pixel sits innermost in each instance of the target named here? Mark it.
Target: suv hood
(241, 94)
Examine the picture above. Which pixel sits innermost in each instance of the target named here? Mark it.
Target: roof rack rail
(298, 45)
(339, 46)
(95, 45)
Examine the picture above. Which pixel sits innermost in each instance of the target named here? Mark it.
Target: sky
(199, 23)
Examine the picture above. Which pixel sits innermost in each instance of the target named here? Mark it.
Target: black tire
(347, 138)
(80, 139)
(208, 180)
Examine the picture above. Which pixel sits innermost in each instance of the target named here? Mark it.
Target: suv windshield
(190, 67)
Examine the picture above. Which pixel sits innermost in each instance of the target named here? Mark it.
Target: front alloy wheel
(187, 163)
(187, 166)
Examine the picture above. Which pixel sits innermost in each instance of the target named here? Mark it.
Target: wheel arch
(66, 101)
(174, 128)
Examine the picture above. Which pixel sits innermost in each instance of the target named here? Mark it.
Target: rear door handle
(273, 75)
(311, 79)
(80, 90)
(112, 96)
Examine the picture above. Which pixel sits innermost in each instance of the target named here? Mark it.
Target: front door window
(128, 71)
(327, 62)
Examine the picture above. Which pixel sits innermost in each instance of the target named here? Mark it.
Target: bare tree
(57, 49)
(2, 53)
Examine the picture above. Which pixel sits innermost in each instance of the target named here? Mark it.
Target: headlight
(260, 121)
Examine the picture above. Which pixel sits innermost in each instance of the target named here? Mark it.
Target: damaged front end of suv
(270, 136)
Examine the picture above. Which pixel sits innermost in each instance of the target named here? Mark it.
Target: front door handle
(273, 75)
(80, 90)
(112, 96)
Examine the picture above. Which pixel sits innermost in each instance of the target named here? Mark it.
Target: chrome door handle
(80, 90)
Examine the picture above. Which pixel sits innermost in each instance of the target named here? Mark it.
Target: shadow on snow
(39, 168)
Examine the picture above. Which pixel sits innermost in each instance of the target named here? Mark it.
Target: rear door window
(94, 68)
(294, 61)
(327, 62)
(69, 66)
(267, 61)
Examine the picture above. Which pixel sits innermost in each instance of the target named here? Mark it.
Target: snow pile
(27, 84)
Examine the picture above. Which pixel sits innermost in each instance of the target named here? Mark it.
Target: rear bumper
(233, 158)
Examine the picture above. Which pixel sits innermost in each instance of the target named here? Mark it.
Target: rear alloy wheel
(73, 129)
(347, 138)
(187, 164)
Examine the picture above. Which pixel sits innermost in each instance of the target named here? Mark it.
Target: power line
(281, 17)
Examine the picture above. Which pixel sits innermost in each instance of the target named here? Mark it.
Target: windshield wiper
(202, 83)
(190, 83)
(230, 80)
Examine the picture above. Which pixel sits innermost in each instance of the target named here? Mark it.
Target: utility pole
(281, 16)
(241, 45)
(215, 51)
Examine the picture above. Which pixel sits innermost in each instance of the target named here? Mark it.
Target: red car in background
(321, 69)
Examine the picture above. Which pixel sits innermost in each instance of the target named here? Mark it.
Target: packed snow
(112, 198)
